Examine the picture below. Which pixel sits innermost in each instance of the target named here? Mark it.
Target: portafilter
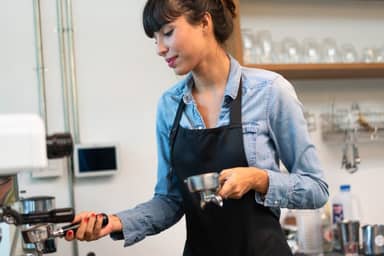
(207, 185)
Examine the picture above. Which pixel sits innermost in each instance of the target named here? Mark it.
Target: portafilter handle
(61, 232)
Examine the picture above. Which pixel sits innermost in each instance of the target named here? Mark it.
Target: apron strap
(172, 136)
(235, 113)
(175, 125)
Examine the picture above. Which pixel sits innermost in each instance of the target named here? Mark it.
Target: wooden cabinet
(306, 71)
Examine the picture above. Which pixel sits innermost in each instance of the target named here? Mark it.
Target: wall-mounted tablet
(95, 159)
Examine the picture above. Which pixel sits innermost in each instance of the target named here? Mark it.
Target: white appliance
(22, 143)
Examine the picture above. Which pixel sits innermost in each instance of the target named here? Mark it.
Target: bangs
(157, 13)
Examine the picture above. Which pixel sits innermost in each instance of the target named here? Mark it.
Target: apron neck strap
(235, 113)
(175, 126)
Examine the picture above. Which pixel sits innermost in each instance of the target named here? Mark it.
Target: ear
(206, 22)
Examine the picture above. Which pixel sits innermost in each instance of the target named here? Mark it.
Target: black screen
(97, 159)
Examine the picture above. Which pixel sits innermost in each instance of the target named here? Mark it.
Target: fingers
(89, 233)
(224, 175)
(70, 235)
(226, 190)
(89, 228)
(227, 184)
(98, 224)
(82, 228)
(79, 218)
(236, 182)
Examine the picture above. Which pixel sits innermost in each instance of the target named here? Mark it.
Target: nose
(161, 48)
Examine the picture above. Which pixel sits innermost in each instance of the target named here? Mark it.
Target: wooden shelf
(326, 71)
(306, 71)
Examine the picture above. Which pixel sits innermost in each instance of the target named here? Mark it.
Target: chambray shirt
(274, 132)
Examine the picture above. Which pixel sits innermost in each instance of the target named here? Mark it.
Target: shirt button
(199, 127)
(227, 100)
(276, 202)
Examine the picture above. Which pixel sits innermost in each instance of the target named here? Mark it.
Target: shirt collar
(231, 87)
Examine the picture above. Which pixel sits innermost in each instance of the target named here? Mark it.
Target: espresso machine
(24, 146)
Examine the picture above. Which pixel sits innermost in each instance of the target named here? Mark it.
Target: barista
(224, 118)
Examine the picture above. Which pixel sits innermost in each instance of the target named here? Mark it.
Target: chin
(181, 72)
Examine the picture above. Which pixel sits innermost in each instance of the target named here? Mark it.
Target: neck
(212, 73)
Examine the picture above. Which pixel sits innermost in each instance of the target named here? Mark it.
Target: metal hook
(350, 141)
(374, 134)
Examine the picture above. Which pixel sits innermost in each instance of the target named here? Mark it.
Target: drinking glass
(264, 41)
(311, 51)
(291, 51)
(348, 53)
(248, 44)
(277, 52)
(329, 51)
(380, 54)
(368, 54)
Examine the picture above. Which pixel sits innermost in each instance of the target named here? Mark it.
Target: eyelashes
(165, 34)
(169, 33)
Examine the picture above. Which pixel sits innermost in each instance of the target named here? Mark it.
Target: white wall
(120, 79)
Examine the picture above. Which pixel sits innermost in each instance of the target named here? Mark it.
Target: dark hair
(157, 13)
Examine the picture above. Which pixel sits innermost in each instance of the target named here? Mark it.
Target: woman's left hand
(236, 182)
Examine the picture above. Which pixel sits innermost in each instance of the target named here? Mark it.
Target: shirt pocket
(257, 145)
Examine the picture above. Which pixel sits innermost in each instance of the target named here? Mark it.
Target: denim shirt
(274, 132)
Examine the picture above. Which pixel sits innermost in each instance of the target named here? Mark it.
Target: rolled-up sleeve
(303, 187)
(148, 218)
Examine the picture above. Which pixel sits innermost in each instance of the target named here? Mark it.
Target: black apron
(241, 227)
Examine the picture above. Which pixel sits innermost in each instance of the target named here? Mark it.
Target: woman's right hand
(91, 229)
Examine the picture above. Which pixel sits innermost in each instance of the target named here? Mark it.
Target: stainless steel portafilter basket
(207, 185)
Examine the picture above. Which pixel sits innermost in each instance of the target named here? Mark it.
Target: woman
(222, 118)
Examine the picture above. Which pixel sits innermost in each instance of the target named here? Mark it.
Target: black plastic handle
(75, 226)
